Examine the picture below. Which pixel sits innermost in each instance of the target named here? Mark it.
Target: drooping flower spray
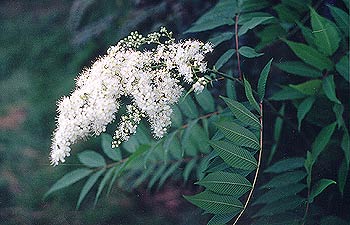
(152, 79)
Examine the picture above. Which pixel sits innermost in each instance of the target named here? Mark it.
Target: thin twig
(258, 166)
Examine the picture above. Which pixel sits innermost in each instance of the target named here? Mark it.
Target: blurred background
(43, 46)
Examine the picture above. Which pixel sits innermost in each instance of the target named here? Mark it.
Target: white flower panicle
(151, 79)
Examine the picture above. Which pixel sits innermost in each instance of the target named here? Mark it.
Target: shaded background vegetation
(43, 45)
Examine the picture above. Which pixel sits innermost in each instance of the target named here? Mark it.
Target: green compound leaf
(221, 38)
(276, 134)
(252, 5)
(239, 135)
(338, 110)
(234, 155)
(214, 203)
(176, 117)
(286, 165)
(279, 193)
(206, 101)
(328, 86)
(269, 34)
(246, 17)
(307, 33)
(226, 183)
(231, 89)
(299, 68)
(262, 80)
(342, 67)
(188, 107)
(322, 140)
(144, 176)
(325, 32)
(242, 113)
(252, 24)
(297, 5)
(311, 87)
(103, 183)
(341, 18)
(168, 173)
(342, 176)
(280, 206)
(249, 94)
(224, 9)
(91, 159)
(200, 139)
(187, 143)
(285, 13)
(287, 93)
(199, 27)
(221, 219)
(157, 175)
(131, 145)
(69, 179)
(113, 154)
(170, 143)
(285, 179)
(319, 187)
(224, 58)
(88, 185)
(304, 107)
(188, 169)
(345, 145)
(310, 56)
(249, 52)
(115, 172)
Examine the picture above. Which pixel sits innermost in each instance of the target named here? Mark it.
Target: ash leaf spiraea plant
(150, 79)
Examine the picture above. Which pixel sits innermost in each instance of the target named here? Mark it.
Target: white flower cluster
(151, 79)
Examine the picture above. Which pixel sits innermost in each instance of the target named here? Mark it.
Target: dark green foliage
(233, 155)
(249, 52)
(242, 113)
(216, 204)
(319, 187)
(91, 159)
(88, 185)
(226, 183)
(224, 58)
(286, 165)
(224, 10)
(113, 154)
(238, 134)
(281, 198)
(310, 55)
(218, 149)
(262, 80)
(69, 179)
(299, 68)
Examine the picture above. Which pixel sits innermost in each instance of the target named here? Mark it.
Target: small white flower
(198, 87)
(151, 79)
